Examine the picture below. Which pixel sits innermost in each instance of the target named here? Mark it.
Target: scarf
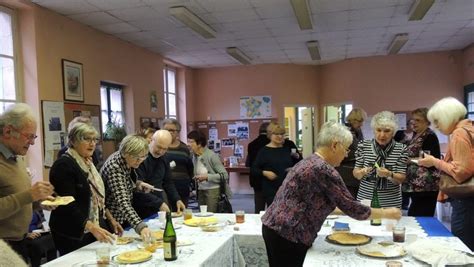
(96, 185)
(382, 154)
(415, 145)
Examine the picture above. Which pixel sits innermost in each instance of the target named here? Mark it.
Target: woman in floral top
(421, 184)
(310, 192)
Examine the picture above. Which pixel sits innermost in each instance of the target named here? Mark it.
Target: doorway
(299, 127)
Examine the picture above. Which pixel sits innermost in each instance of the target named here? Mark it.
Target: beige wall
(468, 64)
(217, 91)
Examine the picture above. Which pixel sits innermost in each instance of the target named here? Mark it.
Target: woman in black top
(273, 162)
(86, 219)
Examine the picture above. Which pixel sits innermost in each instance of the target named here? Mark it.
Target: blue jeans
(462, 220)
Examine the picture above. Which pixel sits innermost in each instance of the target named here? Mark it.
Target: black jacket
(69, 179)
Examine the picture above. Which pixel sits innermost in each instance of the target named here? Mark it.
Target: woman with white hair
(381, 162)
(310, 192)
(448, 116)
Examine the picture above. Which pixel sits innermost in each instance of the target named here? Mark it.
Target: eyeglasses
(90, 140)
(139, 158)
(347, 150)
(172, 130)
(30, 137)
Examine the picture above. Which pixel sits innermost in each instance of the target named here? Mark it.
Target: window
(469, 100)
(8, 58)
(111, 103)
(169, 75)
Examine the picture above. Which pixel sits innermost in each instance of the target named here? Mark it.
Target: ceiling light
(419, 9)
(239, 55)
(302, 13)
(397, 43)
(313, 48)
(192, 21)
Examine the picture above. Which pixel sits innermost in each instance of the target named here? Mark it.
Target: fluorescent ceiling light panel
(398, 42)
(192, 21)
(239, 55)
(302, 13)
(419, 9)
(313, 48)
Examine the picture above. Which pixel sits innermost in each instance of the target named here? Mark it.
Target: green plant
(115, 131)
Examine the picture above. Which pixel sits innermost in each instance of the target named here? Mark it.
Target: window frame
(16, 55)
(166, 92)
(108, 86)
(468, 89)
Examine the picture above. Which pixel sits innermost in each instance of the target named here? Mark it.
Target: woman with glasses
(121, 181)
(180, 159)
(355, 120)
(310, 192)
(381, 162)
(273, 162)
(86, 219)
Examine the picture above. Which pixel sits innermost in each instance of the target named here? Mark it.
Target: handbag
(452, 188)
(223, 203)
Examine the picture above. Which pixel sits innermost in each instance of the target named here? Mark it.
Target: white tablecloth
(245, 247)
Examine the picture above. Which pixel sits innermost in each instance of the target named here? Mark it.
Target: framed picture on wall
(73, 81)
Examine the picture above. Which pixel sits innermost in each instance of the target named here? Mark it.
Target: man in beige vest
(17, 133)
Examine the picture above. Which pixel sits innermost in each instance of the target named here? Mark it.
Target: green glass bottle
(169, 240)
(375, 204)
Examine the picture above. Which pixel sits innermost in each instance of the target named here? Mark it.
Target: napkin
(340, 226)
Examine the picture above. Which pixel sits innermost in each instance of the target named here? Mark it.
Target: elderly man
(155, 170)
(18, 127)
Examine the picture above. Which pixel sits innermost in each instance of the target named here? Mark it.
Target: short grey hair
(17, 115)
(82, 119)
(133, 145)
(79, 131)
(384, 119)
(446, 112)
(333, 132)
(171, 121)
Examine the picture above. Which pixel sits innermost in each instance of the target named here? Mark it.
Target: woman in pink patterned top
(310, 192)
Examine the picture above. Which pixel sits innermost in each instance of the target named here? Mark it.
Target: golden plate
(195, 222)
(176, 214)
(123, 240)
(134, 256)
(159, 245)
(58, 201)
(348, 239)
(383, 250)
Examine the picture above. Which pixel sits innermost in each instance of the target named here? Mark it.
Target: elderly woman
(208, 171)
(381, 162)
(355, 120)
(182, 169)
(86, 219)
(310, 192)
(273, 162)
(447, 115)
(121, 179)
(421, 184)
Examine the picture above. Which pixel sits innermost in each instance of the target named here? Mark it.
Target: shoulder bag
(452, 188)
(223, 204)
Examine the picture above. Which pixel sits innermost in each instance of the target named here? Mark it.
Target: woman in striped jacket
(381, 162)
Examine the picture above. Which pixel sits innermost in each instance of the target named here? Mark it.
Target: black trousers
(19, 247)
(259, 201)
(40, 246)
(65, 244)
(282, 252)
(422, 203)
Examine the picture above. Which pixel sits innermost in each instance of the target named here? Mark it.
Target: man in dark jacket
(156, 171)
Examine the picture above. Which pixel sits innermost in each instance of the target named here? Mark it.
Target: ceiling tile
(95, 18)
(115, 4)
(68, 7)
(116, 28)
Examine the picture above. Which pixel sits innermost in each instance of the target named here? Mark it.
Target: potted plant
(115, 131)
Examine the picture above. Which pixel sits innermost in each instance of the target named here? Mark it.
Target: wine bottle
(375, 204)
(169, 240)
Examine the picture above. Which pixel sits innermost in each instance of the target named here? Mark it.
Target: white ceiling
(267, 30)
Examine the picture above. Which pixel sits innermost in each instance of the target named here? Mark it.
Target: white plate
(207, 214)
(414, 161)
(175, 226)
(332, 217)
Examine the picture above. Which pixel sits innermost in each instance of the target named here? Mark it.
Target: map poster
(252, 107)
